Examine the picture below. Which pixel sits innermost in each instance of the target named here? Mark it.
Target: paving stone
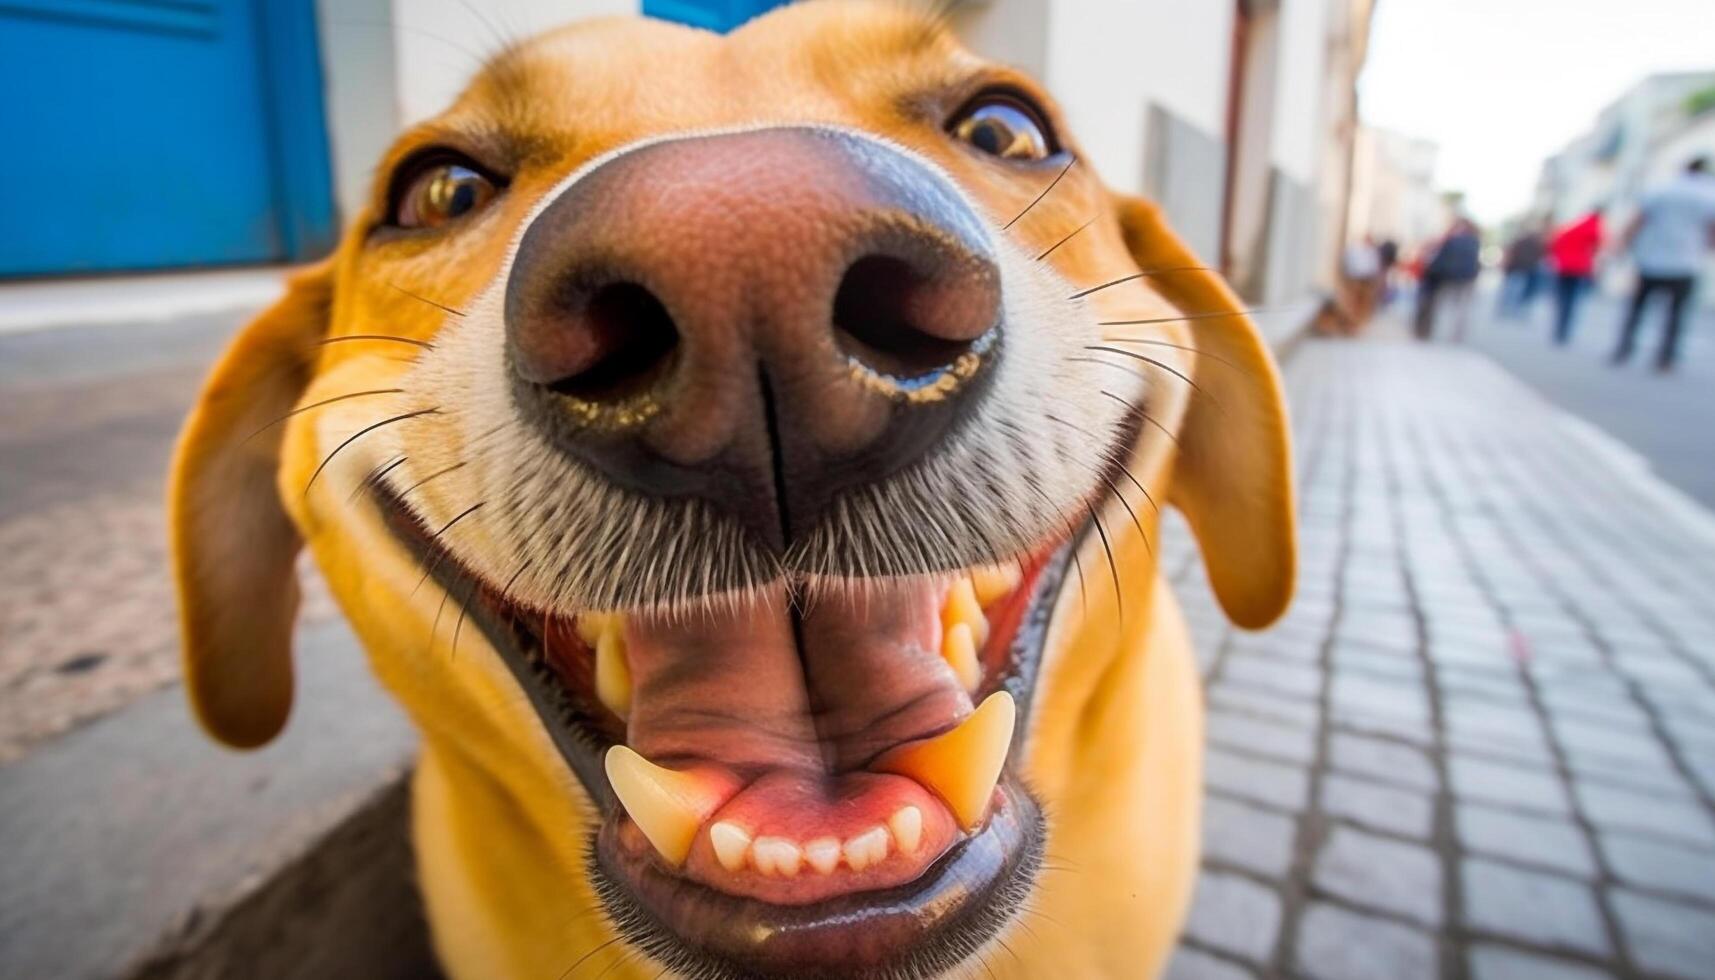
(1265, 704)
(1287, 743)
(1234, 915)
(1376, 696)
(1401, 811)
(1660, 866)
(1383, 760)
(1248, 836)
(1381, 873)
(1283, 676)
(1550, 842)
(1494, 782)
(1666, 937)
(1375, 722)
(1193, 964)
(1678, 818)
(1491, 962)
(1531, 906)
(1336, 944)
(1275, 783)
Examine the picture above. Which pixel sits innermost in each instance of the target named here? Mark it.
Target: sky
(1502, 84)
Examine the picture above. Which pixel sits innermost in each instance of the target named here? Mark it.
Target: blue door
(716, 15)
(147, 134)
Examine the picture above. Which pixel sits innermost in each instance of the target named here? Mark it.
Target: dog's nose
(765, 320)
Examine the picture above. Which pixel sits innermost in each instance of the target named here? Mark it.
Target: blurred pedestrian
(1521, 266)
(1449, 278)
(1673, 232)
(1573, 251)
(1388, 252)
(1362, 266)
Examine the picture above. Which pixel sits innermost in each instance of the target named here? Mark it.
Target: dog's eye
(1004, 126)
(441, 191)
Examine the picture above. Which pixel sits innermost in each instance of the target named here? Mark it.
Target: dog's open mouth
(809, 780)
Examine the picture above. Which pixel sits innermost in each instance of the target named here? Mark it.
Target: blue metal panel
(716, 15)
(158, 133)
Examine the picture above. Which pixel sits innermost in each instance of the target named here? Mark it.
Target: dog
(742, 456)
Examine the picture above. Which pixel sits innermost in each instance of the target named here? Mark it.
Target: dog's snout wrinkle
(647, 299)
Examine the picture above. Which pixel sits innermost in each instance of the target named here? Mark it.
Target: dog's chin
(794, 795)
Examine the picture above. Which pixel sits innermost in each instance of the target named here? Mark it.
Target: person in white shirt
(1669, 239)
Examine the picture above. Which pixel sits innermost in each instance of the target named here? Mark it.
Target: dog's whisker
(1132, 513)
(1164, 343)
(1152, 420)
(435, 562)
(464, 610)
(1216, 315)
(1161, 364)
(1136, 276)
(325, 401)
(1071, 235)
(359, 433)
(594, 950)
(1045, 192)
(375, 476)
(1113, 568)
(444, 308)
(377, 337)
(435, 627)
(433, 476)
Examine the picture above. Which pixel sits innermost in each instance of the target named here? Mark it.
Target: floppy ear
(1232, 477)
(233, 546)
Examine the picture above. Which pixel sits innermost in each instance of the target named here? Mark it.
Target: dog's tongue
(775, 717)
(753, 691)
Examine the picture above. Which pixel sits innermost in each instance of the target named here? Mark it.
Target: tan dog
(740, 455)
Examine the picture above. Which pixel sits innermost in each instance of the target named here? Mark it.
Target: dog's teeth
(667, 805)
(612, 675)
(776, 856)
(590, 626)
(962, 765)
(959, 649)
(867, 848)
(907, 826)
(731, 844)
(823, 853)
(962, 607)
(993, 583)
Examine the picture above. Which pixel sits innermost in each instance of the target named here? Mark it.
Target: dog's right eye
(440, 190)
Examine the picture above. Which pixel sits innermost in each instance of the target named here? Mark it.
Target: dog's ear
(233, 546)
(1232, 477)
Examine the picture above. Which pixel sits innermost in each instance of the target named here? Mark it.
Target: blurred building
(1394, 194)
(1239, 115)
(1645, 136)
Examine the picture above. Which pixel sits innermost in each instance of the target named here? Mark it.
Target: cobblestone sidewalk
(1482, 742)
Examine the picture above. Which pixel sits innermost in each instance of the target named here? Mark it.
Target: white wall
(439, 44)
(1298, 107)
(1109, 59)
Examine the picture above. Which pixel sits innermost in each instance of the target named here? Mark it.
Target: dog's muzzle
(759, 319)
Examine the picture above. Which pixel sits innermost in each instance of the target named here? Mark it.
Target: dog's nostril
(901, 322)
(627, 337)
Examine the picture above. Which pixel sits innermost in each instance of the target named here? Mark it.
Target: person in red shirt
(1573, 251)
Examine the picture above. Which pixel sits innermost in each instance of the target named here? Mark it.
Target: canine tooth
(962, 607)
(590, 626)
(776, 855)
(993, 583)
(962, 765)
(867, 848)
(823, 853)
(907, 826)
(612, 674)
(959, 649)
(667, 805)
(731, 844)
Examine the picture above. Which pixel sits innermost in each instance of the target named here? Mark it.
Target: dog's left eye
(1004, 126)
(439, 192)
